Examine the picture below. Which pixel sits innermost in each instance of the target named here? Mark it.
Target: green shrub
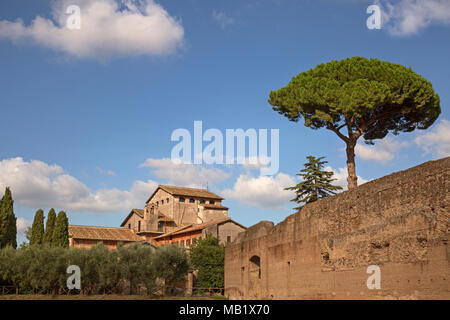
(208, 257)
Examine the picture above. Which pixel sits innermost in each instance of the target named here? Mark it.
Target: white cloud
(252, 163)
(22, 225)
(36, 184)
(188, 175)
(263, 191)
(109, 28)
(407, 17)
(106, 172)
(222, 19)
(437, 140)
(341, 175)
(383, 151)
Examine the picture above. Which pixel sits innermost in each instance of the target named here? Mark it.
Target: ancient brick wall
(400, 222)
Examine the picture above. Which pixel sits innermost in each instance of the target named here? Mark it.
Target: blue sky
(80, 116)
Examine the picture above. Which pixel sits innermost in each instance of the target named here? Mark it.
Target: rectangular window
(167, 200)
(129, 226)
(139, 226)
(157, 203)
(181, 199)
(228, 239)
(191, 200)
(162, 201)
(211, 201)
(202, 201)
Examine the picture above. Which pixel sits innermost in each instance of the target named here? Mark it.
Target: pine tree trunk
(352, 179)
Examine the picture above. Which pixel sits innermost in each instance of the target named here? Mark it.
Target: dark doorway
(254, 277)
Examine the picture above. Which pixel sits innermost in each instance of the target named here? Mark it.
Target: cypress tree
(37, 229)
(49, 227)
(2, 225)
(8, 228)
(61, 232)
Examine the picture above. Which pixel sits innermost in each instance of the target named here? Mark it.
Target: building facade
(226, 230)
(88, 236)
(171, 215)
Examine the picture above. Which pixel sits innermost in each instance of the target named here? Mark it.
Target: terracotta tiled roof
(163, 217)
(102, 233)
(214, 206)
(196, 227)
(139, 212)
(174, 231)
(187, 192)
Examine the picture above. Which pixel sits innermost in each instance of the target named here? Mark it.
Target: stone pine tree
(61, 231)
(363, 97)
(316, 183)
(8, 229)
(49, 227)
(37, 228)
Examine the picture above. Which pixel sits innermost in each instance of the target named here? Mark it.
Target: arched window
(255, 265)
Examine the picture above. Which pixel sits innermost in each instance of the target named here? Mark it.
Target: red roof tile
(103, 233)
(196, 227)
(187, 192)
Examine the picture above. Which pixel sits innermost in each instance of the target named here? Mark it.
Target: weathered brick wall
(400, 222)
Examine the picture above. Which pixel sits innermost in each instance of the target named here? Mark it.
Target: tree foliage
(37, 228)
(368, 97)
(49, 227)
(208, 257)
(60, 236)
(315, 184)
(8, 229)
(170, 263)
(131, 261)
(42, 269)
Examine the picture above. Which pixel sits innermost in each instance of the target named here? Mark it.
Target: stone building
(171, 215)
(226, 230)
(399, 223)
(87, 236)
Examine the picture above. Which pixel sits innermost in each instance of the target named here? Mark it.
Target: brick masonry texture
(400, 222)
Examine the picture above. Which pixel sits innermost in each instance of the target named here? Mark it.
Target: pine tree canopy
(37, 229)
(367, 97)
(316, 182)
